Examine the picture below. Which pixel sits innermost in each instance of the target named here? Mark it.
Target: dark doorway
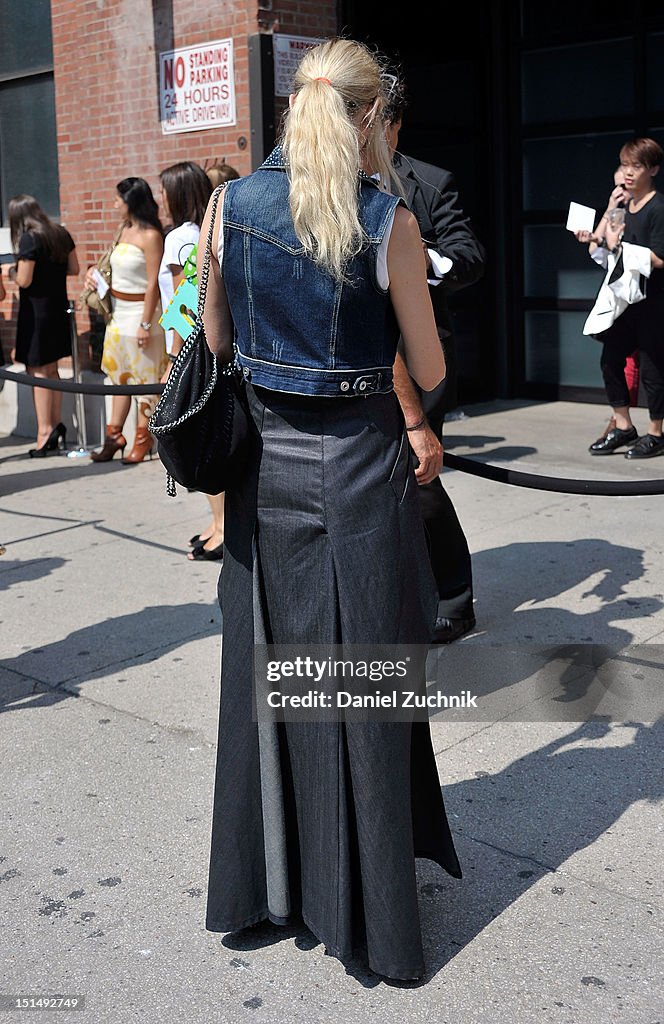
(446, 65)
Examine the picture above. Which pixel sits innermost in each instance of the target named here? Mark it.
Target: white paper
(441, 266)
(101, 284)
(580, 218)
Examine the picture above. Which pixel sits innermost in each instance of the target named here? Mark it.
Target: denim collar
(275, 162)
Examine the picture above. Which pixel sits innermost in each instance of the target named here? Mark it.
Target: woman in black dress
(321, 270)
(45, 257)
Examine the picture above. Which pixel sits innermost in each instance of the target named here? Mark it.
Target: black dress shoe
(615, 438)
(646, 447)
(449, 630)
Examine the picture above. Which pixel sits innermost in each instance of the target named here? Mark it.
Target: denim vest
(296, 328)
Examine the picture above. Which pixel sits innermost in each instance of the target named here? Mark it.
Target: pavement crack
(560, 871)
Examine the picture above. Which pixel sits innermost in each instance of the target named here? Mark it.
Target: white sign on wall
(197, 87)
(288, 52)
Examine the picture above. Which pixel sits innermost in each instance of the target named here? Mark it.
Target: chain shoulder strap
(205, 272)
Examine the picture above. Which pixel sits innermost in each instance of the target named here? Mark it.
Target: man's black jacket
(433, 196)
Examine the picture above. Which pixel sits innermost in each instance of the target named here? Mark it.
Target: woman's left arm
(411, 302)
(22, 273)
(153, 248)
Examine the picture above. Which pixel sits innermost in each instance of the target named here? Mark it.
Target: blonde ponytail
(324, 147)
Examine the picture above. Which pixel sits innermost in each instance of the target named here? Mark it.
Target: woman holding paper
(641, 325)
(596, 242)
(134, 350)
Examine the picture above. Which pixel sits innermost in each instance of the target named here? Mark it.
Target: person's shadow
(517, 826)
(512, 580)
(15, 571)
(58, 670)
(525, 627)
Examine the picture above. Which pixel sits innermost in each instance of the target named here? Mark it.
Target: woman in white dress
(134, 349)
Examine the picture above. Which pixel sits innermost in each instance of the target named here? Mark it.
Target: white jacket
(621, 287)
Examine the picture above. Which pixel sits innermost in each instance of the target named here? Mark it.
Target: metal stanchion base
(82, 452)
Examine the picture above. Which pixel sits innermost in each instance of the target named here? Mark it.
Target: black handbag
(201, 421)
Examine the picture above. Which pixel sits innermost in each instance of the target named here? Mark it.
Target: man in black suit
(455, 259)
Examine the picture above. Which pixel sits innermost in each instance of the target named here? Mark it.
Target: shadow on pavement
(470, 440)
(512, 580)
(107, 647)
(13, 570)
(533, 816)
(506, 453)
(14, 483)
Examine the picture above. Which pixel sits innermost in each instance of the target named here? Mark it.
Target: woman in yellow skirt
(134, 347)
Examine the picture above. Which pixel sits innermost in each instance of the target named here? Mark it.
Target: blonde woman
(316, 272)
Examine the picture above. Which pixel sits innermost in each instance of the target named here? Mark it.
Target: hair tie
(320, 79)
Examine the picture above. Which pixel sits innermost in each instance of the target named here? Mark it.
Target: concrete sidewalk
(109, 688)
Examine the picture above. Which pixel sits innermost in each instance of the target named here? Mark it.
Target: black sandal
(202, 554)
(196, 540)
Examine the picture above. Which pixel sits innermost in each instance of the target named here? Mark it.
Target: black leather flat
(646, 447)
(613, 439)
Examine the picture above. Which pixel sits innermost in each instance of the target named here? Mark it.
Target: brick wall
(106, 69)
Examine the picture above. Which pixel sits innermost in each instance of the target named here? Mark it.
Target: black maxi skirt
(322, 821)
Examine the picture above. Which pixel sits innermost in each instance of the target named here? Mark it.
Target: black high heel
(54, 442)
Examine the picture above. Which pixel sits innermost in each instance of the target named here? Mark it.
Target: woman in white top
(185, 191)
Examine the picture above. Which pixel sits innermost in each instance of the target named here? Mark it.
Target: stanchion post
(81, 426)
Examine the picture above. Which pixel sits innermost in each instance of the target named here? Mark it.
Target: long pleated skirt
(321, 821)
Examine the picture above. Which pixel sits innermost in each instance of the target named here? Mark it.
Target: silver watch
(145, 325)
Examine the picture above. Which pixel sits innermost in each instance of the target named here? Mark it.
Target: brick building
(92, 92)
(528, 105)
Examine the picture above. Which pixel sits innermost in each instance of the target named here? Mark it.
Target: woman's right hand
(89, 279)
(618, 195)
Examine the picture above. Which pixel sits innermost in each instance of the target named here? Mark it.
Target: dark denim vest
(297, 329)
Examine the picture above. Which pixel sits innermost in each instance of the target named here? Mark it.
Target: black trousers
(641, 327)
(448, 547)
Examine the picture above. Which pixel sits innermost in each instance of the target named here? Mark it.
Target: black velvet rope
(81, 389)
(499, 474)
